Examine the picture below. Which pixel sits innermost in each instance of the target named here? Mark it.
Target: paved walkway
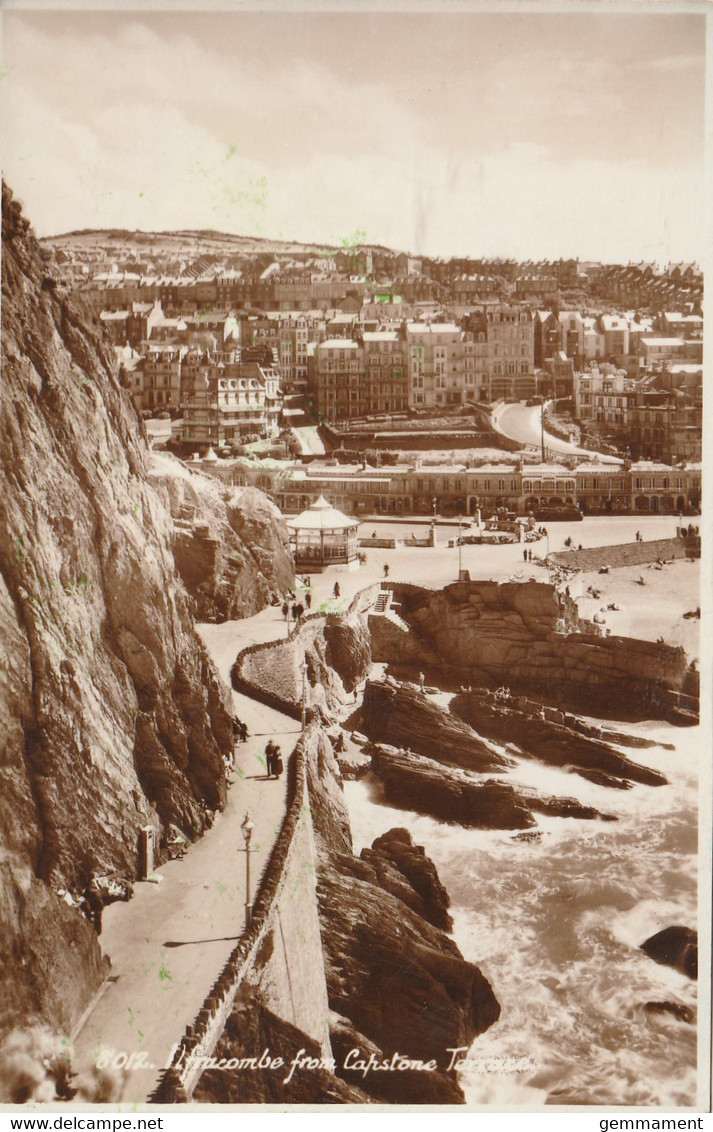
(169, 943)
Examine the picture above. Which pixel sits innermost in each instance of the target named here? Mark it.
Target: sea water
(556, 924)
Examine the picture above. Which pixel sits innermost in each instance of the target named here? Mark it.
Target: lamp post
(542, 427)
(460, 549)
(247, 831)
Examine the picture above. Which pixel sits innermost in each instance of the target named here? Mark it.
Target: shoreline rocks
(425, 786)
(548, 739)
(676, 947)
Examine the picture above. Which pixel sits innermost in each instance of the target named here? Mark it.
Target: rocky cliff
(230, 544)
(528, 636)
(112, 715)
(396, 982)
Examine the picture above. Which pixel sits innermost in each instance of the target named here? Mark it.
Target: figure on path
(337, 590)
(277, 764)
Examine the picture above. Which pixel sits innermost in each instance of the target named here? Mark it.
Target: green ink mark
(164, 973)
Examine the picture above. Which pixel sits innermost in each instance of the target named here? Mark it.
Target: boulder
(675, 947)
(680, 1012)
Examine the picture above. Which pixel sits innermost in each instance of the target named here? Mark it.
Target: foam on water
(556, 926)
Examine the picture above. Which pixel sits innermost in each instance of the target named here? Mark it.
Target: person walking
(524, 554)
(386, 570)
(270, 759)
(308, 600)
(337, 590)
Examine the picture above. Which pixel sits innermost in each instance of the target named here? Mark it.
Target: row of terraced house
(359, 489)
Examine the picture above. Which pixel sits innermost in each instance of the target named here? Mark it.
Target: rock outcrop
(675, 947)
(231, 545)
(456, 796)
(528, 636)
(251, 1031)
(543, 733)
(402, 715)
(113, 718)
(396, 982)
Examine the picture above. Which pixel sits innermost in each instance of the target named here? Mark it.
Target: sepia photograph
(354, 568)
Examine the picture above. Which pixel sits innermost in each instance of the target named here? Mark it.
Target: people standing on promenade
(277, 763)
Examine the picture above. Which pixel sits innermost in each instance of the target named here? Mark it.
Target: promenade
(168, 943)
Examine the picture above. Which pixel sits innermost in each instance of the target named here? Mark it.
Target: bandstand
(323, 537)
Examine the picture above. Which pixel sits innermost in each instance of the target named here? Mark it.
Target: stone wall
(281, 949)
(271, 672)
(623, 554)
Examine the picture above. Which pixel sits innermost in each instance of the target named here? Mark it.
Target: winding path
(168, 944)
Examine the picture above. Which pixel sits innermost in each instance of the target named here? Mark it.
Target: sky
(526, 133)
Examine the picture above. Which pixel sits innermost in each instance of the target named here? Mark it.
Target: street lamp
(247, 831)
(460, 549)
(542, 427)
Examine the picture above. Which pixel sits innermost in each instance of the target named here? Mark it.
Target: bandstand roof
(320, 515)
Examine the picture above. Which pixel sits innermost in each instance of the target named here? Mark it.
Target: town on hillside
(395, 384)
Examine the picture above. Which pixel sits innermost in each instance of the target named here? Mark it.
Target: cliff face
(112, 715)
(528, 636)
(396, 982)
(230, 544)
